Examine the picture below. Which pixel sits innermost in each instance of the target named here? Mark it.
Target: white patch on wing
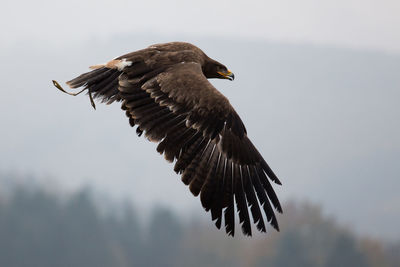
(121, 64)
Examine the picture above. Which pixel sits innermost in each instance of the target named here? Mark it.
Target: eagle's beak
(227, 75)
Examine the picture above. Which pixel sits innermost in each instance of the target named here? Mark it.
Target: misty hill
(325, 118)
(38, 228)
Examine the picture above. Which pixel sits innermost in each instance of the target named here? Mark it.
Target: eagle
(165, 92)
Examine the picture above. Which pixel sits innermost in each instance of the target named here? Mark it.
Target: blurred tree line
(38, 228)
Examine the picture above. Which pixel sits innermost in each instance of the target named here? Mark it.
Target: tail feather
(101, 82)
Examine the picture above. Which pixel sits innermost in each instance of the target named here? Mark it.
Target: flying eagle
(165, 93)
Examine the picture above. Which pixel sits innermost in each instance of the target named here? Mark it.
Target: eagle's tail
(102, 83)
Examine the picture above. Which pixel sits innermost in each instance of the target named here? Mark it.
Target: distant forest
(38, 228)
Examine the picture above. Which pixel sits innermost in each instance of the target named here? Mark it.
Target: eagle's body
(165, 93)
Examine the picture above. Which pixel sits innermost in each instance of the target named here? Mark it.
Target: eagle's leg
(58, 86)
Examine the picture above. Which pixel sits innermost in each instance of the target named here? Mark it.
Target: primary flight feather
(165, 93)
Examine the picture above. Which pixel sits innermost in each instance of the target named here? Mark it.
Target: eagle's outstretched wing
(197, 126)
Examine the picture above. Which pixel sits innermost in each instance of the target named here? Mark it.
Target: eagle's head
(214, 69)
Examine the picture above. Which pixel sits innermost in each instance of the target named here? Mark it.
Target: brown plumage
(165, 93)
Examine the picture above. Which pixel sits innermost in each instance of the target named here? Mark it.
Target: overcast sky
(329, 117)
(368, 24)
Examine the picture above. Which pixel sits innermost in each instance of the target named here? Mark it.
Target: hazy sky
(326, 119)
(367, 24)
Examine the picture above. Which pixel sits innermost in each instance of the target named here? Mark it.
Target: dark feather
(267, 206)
(252, 200)
(138, 102)
(270, 191)
(90, 77)
(174, 141)
(190, 152)
(241, 200)
(201, 172)
(190, 171)
(153, 125)
(107, 87)
(166, 127)
(229, 202)
(216, 209)
(209, 187)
